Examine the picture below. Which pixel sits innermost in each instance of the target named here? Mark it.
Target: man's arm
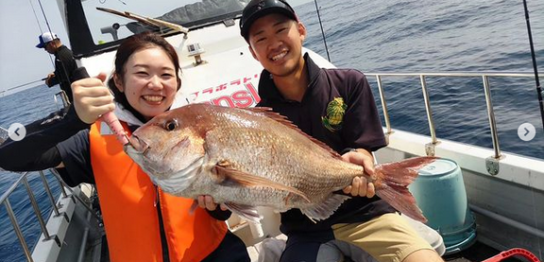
(362, 132)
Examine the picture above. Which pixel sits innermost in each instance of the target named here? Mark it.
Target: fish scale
(309, 172)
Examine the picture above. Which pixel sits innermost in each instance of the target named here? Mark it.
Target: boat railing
(423, 80)
(63, 98)
(23, 179)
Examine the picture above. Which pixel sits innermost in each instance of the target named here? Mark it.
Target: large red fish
(245, 158)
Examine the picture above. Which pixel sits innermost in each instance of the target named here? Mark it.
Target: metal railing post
(36, 209)
(491, 117)
(61, 185)
(384, 104)
(50, 195)
(75, 197)
(493, 160)
(18, 230)
(428, 108)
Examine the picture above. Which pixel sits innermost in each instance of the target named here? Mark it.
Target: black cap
(256, 9)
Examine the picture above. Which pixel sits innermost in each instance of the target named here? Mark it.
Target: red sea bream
(245, 158)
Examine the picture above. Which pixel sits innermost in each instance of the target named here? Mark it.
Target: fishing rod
(322, 31)
(45, 17)
(25, 84)
(533, 56)
(39, 26)
(2, 92)
(35, 15)
(66, 75)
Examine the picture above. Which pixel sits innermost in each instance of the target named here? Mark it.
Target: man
(335, 106)
(64, 62)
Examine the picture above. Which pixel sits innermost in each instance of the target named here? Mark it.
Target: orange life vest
(128, 203)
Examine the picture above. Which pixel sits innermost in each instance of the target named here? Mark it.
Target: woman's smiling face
(149, 81)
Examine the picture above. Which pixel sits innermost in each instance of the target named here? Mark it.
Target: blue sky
(21, 62)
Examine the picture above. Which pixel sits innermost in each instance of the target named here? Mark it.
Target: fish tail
(392, 184)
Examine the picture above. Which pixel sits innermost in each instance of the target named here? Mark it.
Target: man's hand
(360, 186)
(48, 79)
(207, 202)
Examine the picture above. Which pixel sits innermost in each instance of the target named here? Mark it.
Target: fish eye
(171, 125)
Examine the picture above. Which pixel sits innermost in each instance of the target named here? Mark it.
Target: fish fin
(392, 182)
(402, 173)
(326, 208)
(249, 213)
(226, 174)
(266, 111)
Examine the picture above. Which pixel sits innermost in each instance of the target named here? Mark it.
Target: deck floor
(477, 253)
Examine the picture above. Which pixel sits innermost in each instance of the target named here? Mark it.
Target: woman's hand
(92, 98)
(207, 202)
(360, 186)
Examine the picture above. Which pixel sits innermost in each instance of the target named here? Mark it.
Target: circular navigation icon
(526, 132)
(16, 132)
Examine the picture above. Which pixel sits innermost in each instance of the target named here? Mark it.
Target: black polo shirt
(360, 127)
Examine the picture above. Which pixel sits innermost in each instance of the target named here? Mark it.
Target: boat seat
(270, 249)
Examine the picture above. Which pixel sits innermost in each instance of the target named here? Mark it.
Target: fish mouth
(139, 150)
(139, 145)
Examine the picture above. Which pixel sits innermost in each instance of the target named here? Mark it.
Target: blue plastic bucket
(440, 193)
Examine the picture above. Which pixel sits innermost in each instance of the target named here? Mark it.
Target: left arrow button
(17, 132)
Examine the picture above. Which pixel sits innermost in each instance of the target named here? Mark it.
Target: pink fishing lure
(111, 120)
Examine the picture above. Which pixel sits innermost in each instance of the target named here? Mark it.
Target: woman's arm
(37, 150)
(218, 212)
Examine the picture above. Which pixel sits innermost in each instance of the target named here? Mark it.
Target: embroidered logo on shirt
(335, 114)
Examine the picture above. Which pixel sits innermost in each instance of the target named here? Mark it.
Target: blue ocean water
(377, 36)
(440, 36)
(25, 107)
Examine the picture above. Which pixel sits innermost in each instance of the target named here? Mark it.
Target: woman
(142, 223)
